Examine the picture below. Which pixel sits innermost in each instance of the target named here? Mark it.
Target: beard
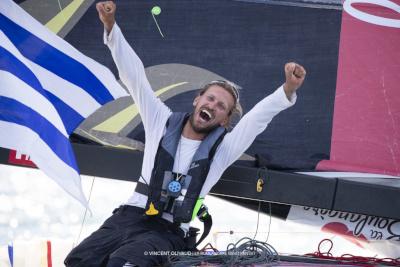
(201, 130)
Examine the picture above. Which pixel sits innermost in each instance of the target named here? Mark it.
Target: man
(184, 156)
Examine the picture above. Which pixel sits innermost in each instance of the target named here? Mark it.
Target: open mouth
(205, 115)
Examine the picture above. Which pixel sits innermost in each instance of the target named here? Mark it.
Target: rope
(351, 259)
(84, 216)
(246, 251)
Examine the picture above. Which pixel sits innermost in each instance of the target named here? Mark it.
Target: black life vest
(163, 181)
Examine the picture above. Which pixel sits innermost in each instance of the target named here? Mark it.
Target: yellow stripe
(116, 123)
(167, 88)
(105, 143)
(58, 22)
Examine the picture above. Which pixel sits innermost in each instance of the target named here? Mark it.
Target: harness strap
(206, 219)
(203, 214)
(142, 188)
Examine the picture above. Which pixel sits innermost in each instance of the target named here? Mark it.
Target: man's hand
(295, 75)
(106, 11)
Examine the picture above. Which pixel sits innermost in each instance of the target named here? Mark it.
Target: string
(270, 219)
(158, 27)
(84, 216)
(258, 219)
(59, 4)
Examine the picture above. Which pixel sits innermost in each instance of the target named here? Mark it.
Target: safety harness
(176, 193)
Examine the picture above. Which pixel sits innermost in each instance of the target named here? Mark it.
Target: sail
(248, 43)
(366, 124)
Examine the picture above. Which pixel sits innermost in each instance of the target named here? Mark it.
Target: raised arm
(257, 119)
(131, 70)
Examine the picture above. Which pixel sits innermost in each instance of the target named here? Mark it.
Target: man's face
(212, 109)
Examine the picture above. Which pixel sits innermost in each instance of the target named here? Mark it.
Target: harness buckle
(202, 214)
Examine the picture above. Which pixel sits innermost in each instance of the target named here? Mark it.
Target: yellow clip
(152, 210)
(260, 183)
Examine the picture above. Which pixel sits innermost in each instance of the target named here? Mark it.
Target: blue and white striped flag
(47, 88)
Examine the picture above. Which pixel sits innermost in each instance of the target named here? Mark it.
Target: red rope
(209, 247)
(351, 259)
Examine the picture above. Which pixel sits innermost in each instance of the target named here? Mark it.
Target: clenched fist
(106, 11)
(295, 75)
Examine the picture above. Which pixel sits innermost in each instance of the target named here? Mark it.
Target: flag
(47, 88)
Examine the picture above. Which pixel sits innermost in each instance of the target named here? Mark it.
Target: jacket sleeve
(243, 135)
(152, 110)
(252, 124)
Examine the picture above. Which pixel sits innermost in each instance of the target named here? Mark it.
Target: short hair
(230, 88)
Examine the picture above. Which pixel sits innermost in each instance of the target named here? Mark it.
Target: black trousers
(128, 234)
